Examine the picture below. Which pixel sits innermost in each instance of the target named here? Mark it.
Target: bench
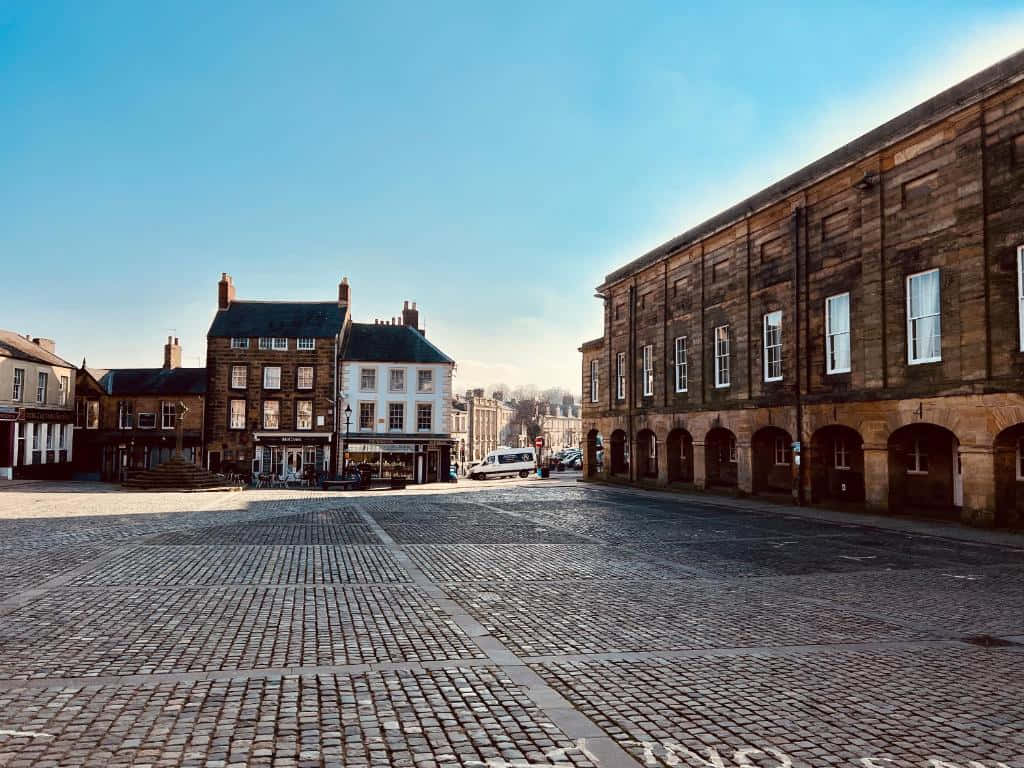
(339, 485)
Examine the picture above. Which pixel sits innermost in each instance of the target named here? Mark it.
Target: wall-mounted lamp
(867, 181)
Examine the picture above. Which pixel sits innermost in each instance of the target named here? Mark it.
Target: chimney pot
(172, 355)
(225, 291)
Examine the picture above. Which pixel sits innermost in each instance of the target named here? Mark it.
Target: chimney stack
(48, 344)
(411, 316)
(225, 291)
(172, 354)
(345, 294)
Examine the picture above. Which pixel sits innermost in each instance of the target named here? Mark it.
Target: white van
(505, 461)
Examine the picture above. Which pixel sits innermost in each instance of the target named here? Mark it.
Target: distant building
(36, 408)
(271, 383)
(484, 418)
(459, 428)
(399, 387)
(560, 425)
(125, 418)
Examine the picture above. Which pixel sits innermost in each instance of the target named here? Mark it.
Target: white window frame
(911, 319)
(264, 342)
(620, 376)
(430, 411)
(266, 370)
(840, 454)
(299, 426)
(63, 385)
(401, 407)
(772, 359)
(681, 365)
(733, 454)
(278, 344)
(42, 385)
(165, 413)
(305, 344)
(722, 360)
(232, 422)
(125, 414)
(373, 375)
(391, 379)
(648, 369)
(831, 335)
(783, 455)
(917, 453)
(594, 391)
(277, 414)
(18, 386)
(372, 407)
(425, 387)
(239, 343)
(1020, 297)
(299, 384)
(152, 420)
(235, 378)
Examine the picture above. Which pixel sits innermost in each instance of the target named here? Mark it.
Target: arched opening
(679, 451)
(595, 452)
(620, 454)
(1009, 461)
(647, 454)
(720, 455)
(925, 473)
(771, 449)
(837, 464)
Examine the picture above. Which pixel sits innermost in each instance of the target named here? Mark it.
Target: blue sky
(491, 161)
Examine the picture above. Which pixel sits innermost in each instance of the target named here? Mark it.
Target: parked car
(505, 461)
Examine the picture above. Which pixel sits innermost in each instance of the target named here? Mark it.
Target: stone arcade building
(854, 332)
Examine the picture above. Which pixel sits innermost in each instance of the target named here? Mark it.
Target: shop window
(366, 416)
(303, 414)
(304, 377)
(239, 376)
(271, 414)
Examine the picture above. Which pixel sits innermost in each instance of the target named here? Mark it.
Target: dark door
(215, 461)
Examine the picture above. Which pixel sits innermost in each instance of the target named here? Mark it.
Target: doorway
(293, 462)
(433, 462)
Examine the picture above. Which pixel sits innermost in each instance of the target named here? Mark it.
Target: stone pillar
(802, 471)
(979, 479)
(700, 466)
(44, 430)
(69, 431)
(27, 427)
(744, 468)
(662, 454)
(876, 477)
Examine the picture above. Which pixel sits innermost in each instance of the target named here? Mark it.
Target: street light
(344, 445)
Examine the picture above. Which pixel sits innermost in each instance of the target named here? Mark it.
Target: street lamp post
(344, 445)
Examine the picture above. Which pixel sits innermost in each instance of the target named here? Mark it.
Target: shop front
(293, 456)
(416, 461)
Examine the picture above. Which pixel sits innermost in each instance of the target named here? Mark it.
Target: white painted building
(399, 389)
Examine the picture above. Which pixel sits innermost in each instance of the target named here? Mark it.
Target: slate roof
(373, 343)
(959, 96)
(17, 346)
(152, 381)
(289, 319)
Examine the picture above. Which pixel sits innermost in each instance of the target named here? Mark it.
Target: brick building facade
(852, 333)
(272, 383)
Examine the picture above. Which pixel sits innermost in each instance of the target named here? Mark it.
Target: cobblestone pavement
(500, 625)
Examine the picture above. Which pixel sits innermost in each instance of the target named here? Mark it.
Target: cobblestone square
(502, 626)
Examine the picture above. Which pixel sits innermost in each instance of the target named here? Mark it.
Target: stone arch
(720, 455)
(836, 466)
(925, 470)
(1008, 455)
(772, 458)
(619, 460)
(679, 451)
(647, 454)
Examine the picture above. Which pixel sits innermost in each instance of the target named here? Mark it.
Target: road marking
(858, 557)
(28, 734)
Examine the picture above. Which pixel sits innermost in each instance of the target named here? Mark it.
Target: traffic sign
(539, 442)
